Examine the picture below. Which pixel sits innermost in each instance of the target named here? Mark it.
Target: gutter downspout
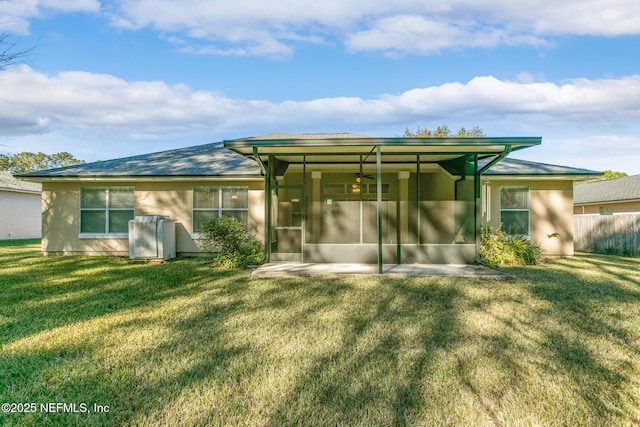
(478, 178)
(505, 153)
(463, 176)
(265, 172)
(258, 160)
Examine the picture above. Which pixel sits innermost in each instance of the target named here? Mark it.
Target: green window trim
(217, 201)
(106, 211)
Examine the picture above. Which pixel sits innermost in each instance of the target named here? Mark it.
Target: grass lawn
(182, 344)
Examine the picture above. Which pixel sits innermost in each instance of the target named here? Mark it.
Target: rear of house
(319, 198)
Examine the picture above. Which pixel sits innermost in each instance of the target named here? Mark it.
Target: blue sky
(116, 78)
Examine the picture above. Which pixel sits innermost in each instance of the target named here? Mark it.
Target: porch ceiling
(396, 150)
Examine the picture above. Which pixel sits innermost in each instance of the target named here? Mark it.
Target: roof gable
(612, 190)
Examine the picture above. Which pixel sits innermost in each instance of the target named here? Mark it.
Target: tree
(606, 174)
(443, 131)
(30, 162)
(8, 53)
(609, 174)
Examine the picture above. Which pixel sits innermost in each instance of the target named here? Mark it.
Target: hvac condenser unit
(152, 237)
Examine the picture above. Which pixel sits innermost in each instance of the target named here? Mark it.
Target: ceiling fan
(360, 176)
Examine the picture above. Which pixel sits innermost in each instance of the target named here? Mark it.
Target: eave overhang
(142, 178)
(397, 150)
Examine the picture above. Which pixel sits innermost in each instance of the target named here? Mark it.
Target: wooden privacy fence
(608, 234)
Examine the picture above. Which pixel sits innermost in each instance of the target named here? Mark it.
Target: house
(609, 197)
(320, 197)
(20, 214)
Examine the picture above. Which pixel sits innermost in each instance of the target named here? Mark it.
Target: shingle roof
(509, 166)
(215, 160)
(9, 183)
(201, 160)
(611, 190)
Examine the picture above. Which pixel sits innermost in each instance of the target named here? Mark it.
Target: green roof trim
(328, 140)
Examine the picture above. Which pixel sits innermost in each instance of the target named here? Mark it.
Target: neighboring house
(20, 210)
(320, 197)
(609, 197)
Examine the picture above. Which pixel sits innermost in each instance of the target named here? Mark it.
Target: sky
(113, 78)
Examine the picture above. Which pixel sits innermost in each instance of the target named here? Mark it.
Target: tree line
(26, 162)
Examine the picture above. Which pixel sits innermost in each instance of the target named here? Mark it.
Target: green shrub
(497, 248)
(231, 243)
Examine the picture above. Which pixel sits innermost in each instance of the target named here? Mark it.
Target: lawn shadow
(590, 300)
(62, 291)
(378, 366)
(135, 384)
(212, 347)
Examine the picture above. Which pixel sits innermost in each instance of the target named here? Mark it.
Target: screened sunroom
(349, 198)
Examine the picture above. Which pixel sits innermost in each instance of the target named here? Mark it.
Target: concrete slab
(292, 269)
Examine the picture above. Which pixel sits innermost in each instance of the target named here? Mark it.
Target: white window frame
(527, 210)
(107, 210)
(220, 209)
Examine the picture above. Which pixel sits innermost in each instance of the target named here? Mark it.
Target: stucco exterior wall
(61, 214)
(551, 212)
(626, 207)
(20, 215)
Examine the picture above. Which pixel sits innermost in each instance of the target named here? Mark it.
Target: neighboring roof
(509, 166)
(612, 190)
(201, 160)
(9, 183)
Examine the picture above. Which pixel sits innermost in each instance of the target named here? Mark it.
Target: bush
(230, 241)
(497, 249)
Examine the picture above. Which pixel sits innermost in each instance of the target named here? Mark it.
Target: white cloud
(15, 14)
(105, 103)
(583, 122)
(274, 28)
(255, 27)
(422, 35)
(596, 152)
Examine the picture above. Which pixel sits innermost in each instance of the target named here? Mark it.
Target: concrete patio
(292, 269)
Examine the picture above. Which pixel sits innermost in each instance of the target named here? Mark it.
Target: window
(606, 210)
(216, 202)
(514, 210)
(106, 211)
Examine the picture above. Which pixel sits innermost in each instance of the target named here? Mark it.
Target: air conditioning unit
(152, 237)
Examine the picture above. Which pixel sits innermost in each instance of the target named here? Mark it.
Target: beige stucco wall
(61, 211)
(20, 216)
(551, 211)
(628, 207)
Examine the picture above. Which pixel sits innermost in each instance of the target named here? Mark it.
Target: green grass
(14, 243)
(182, 344)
